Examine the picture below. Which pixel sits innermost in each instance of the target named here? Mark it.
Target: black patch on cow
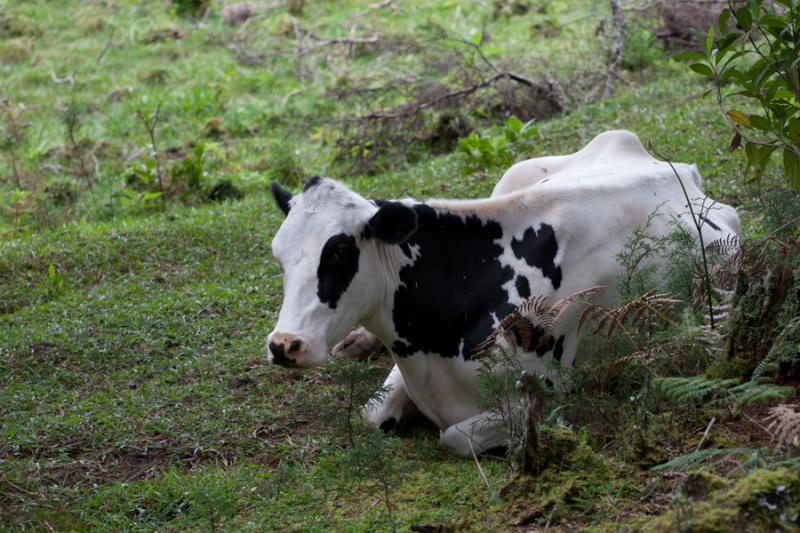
(394, 223)
(338, 265)
(387, 426)
(709, 222)
(454, 287)
(523, 287)
(558, 350)
(539, 249)
(310, 184)
(282, 197)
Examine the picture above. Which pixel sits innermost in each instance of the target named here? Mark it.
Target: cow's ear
(394, 223)
(282, 197)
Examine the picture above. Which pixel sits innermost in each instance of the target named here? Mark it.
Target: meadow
(137, 285)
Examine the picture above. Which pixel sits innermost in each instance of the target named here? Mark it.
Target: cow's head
(329, 248)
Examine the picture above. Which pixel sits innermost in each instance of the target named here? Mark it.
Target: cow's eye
(339, 253)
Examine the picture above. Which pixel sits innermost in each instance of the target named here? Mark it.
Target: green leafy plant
(497, 148)
(191, 8)
(754, 64)
(53, 282)
(641, 49)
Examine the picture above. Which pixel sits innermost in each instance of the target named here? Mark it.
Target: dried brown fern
(533, 320)
(636, 314)
(784, 424)
(731, 258)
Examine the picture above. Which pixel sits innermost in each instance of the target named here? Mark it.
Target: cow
(433, 279)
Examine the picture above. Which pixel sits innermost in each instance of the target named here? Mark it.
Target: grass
(134, 389)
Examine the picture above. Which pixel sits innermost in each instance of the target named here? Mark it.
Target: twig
(616, 50)
(106, 47)
(477, 463)
(705, 434)
(699, 227)
(60, 81)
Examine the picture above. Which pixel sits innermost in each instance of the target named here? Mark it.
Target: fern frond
(784, 424)
(701, 390)
(635, 313)
(533, 319)
(725, 246)
(683, 462)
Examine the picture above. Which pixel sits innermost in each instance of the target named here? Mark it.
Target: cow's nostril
(294, 346)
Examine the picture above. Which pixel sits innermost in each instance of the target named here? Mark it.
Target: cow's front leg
(393, 404)
(475, 435)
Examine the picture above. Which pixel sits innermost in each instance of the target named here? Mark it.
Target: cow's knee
(475, 435)
(457, 442)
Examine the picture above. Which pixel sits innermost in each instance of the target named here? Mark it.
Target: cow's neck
(444, 286)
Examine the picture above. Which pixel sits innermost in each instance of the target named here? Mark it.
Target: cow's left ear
(394, 223)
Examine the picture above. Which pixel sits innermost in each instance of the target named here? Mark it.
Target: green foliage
(53, 282)
(285, 166)
(641, 49)
(756, 55)
(499, 147)
(711, 392)
(191, 8)
(784, 355)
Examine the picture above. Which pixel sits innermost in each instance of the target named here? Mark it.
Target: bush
(191, 8)
(641, 50)
(754, 66)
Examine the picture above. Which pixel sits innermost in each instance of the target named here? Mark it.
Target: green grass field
(134, 389)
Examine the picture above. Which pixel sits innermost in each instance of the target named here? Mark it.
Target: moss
(760, 306)
(766, 500)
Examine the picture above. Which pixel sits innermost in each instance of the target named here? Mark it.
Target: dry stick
(615, 54)
(705, 434)
(106, 47)
(449, 96)
(699, 226)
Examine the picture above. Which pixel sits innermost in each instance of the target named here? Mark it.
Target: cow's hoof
(359, 344)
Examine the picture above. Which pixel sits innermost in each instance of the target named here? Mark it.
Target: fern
(784, 424)
(704, 391)
(786, 349)
(689, 460)
(533, 319)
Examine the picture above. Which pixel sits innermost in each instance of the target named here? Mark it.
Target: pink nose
(287, 350)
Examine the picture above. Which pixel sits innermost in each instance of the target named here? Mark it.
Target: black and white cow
(432, 279)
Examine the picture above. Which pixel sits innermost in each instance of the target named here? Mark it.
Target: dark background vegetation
(137, 144)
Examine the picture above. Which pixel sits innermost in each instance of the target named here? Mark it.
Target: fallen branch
(460, 93)
(616, 50)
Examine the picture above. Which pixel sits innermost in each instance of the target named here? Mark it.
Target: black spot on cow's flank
(338, 265)
(523, 287)
(539, 249)
(447, 299)
(310, 184)
(388, 425)
(558, 350)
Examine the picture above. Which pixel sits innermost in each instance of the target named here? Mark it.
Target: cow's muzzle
(287, 350)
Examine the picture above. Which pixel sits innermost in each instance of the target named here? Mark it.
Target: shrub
(191, 8)
(753, 65)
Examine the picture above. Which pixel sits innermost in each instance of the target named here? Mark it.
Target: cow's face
(333, 275)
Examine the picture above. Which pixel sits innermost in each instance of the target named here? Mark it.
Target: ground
(134, 389)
